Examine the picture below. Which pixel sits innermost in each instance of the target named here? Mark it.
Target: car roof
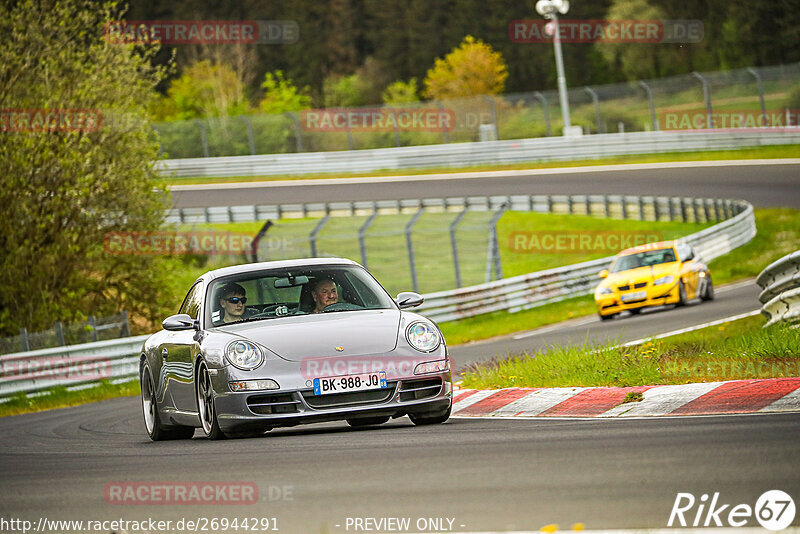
(649, 246)
(279, 264)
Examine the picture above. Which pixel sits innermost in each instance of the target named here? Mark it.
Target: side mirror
(603, 273)
(179, 322)
(409, 299)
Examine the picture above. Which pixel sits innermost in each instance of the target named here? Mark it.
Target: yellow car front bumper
(654, 296)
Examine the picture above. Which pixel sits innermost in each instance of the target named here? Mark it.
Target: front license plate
(639, 295)
(343, 384)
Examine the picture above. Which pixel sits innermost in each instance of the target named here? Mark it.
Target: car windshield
(643, 259)
(276, 293)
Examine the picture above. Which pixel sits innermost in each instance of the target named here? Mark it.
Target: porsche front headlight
(663, 280)
(244, 355)
(423, 336)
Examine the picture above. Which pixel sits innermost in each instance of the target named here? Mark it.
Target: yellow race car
(655, 274)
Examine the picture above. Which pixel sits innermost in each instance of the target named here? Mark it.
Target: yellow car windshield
(643, 259)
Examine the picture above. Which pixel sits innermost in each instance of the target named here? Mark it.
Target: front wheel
(152, 420)
(430, 419)
(682, 299)
(205, 404)
(708, 293)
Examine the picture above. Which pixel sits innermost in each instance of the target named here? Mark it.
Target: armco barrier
(478, 153)
(780, 299)
(71, 365)
(117, 359)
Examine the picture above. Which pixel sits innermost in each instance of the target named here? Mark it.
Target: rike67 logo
(774, 510)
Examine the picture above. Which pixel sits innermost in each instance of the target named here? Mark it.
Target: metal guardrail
(119, 359)
(71, 365)
(780, 299)
(535, 289)
(478, 153)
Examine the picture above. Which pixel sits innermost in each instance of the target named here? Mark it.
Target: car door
(177, 353)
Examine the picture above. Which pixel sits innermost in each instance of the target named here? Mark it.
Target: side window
(191, 304)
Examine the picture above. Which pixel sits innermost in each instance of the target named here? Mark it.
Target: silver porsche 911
(282, 343)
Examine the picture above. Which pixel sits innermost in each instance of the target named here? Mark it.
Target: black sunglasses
(237, 300)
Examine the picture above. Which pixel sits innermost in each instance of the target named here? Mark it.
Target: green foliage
(281, 95)
(401, 92)
(473, 68)
(793, 99)
(204, 90)
(639, 60)
(343, 92)
(63, 191)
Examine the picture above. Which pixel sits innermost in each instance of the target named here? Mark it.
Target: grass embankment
(731, 351)
(60, 397)
(766, 152)
(778, 235)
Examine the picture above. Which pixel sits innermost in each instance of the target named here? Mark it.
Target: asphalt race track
(763, 185)
(483, 474)
(735, 299)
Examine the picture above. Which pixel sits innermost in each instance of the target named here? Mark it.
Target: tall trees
(471, 69)
(64, 185)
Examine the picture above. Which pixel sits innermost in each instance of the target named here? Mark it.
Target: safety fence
(93, 329)
(479, 153)
(780, 298)
(75, 366)
(453, 241)
(722, 99)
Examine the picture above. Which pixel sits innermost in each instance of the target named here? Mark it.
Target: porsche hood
(359, 333)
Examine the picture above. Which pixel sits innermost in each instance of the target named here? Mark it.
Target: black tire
(152, 419)
(607, 317)
(367, 421)
(430, 419)
(708, 292)
(205, 403)
(682, 299)
(635, 311)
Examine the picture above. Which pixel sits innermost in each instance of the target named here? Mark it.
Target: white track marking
(558, 326)
(691, 328)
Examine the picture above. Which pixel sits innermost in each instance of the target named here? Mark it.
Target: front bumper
(654, 296)
(250, 410)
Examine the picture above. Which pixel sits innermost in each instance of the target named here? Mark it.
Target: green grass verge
(778, 235)
(60, 397)
(766, 152)
(731, 351)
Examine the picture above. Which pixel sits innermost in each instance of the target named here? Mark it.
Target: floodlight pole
(562, 80)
